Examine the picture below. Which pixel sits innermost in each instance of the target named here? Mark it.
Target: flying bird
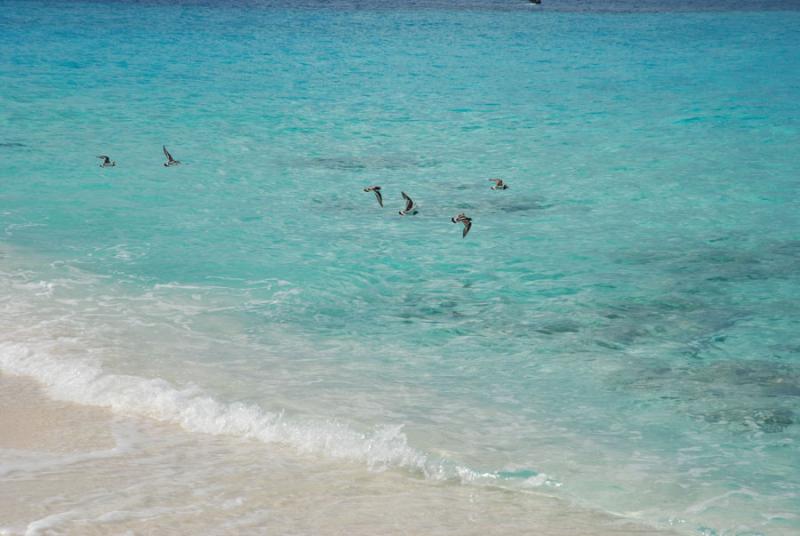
(411, 207)
(107, 162)
(170, 161)
(462, 218)
(377, 191)
(499, 184)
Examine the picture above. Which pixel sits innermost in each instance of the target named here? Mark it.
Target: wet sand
(70, 469)
(29, 420)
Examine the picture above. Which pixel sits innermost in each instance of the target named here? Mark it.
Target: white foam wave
(83, 383)
(49, 523)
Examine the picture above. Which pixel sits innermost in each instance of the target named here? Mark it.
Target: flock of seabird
(107, 162)
(410, 208)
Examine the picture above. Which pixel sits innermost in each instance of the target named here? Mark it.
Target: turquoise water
(619, 328)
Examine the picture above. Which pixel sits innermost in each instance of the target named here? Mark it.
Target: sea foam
(74, 381)
(384, 447)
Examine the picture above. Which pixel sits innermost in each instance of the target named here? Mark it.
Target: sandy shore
(30, 421)
(70, 469)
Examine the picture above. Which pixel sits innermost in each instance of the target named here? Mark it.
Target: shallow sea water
(619, 329)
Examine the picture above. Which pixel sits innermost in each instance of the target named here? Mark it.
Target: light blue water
(619, 327)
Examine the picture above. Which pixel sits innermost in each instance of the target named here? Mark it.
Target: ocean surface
(620, 328)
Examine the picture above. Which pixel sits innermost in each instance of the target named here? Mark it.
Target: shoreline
(54, 454)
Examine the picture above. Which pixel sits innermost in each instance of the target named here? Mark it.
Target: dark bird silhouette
(411, 207)
(377, 191)
(107, 162)
(170, 161)
(466, 221)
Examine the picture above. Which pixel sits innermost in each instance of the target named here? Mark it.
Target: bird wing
(166, 153)
(409, 201)
(378, 196)
(467, 226)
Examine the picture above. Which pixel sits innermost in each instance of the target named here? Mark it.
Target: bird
(170, 161)
(462, 218)
(107, 162)
(499, 184)
(377, 191)
(411, 207)
(535, 1)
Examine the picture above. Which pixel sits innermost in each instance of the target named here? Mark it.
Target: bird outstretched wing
(409, 201)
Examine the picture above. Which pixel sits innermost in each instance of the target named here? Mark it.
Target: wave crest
(190, 408)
